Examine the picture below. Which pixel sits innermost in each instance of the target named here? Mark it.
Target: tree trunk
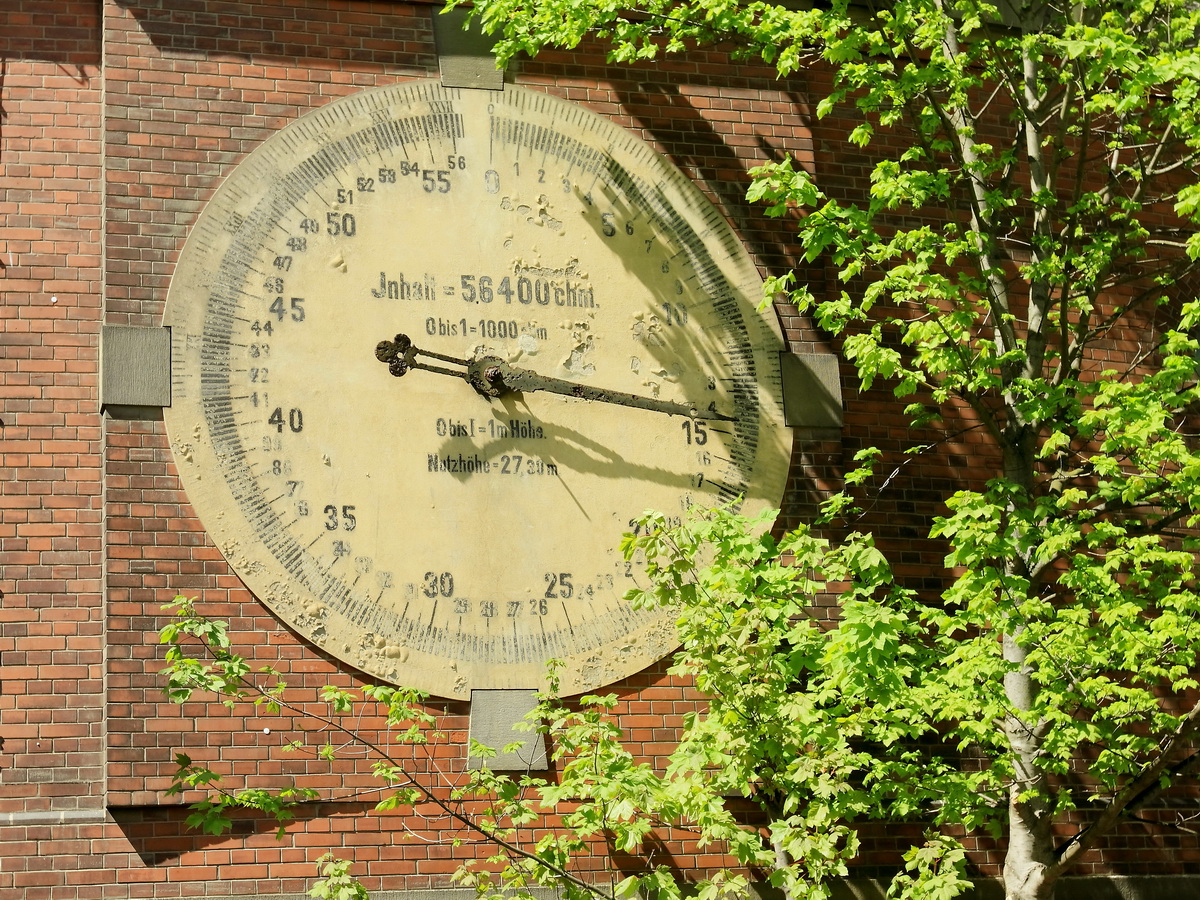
(1031, 867)
(1026, 881)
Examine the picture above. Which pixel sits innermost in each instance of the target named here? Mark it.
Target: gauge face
(412, 527)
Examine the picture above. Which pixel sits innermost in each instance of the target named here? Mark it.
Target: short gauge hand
(491, 376)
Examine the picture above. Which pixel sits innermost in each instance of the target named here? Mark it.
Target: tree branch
(1137, 792)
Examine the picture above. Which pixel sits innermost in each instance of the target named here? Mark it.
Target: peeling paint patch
(647, 328)
(535, 213)
(583, 345)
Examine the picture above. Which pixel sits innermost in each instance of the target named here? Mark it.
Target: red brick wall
(51, 628)
(51, 531)
(117, 121)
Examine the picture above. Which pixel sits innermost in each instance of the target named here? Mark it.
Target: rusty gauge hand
(436, 536)
(491, 376)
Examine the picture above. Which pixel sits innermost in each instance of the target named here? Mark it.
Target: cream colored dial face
(412, 527)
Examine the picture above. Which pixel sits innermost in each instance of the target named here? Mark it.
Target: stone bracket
(135, 371)
(812, 390)
(493, 715)
(465, 57)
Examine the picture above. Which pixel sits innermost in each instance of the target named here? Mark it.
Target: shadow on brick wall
(66, 32)
(160, 834)
(389, 34)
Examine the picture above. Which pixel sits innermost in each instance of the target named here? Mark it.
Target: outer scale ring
(414, 529)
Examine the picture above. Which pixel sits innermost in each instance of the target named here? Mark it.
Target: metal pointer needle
(491, 376)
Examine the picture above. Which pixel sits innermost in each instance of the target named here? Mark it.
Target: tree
(1035, 199)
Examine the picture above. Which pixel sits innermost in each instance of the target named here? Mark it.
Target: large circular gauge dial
(425, 529)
